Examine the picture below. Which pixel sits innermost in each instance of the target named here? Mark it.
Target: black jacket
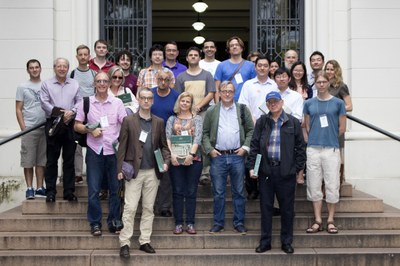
(292, 149)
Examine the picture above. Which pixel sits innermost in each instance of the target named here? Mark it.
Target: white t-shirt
(209, 66)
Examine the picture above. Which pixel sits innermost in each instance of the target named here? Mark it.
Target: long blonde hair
(337, 80)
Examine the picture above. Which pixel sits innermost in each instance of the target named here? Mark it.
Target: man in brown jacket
(141, 134)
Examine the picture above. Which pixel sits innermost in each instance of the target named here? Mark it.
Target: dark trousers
(63, 140)
(164, 194)
(284, 188)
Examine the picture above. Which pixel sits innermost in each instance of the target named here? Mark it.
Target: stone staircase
(58, 234)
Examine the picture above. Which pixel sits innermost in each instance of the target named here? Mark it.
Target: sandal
(314, 228)
(331, 230)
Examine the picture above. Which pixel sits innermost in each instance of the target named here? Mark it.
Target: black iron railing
(19, 134)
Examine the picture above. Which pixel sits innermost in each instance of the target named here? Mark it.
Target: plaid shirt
(147, 78)
(274, 143)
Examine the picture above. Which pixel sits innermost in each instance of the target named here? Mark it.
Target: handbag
(128, 171)
(80, 138)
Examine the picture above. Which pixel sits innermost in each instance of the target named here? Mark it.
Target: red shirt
(105, 68)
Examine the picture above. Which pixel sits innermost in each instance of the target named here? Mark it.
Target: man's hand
(120, 176)
(241, 152)
(214, 153)
(252, 174)
(68, 116)
(97, 132)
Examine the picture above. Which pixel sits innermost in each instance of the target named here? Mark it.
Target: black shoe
(147, 248)
(71, 197)
(262, 249)
(95, 231)
(166, 213)
(276, 212)
(241, 229)
(50, 198)
(287, 248)
(253, 195)
(124, 252)
(216, 229)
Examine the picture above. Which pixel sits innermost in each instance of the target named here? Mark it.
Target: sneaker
(178, 229)
(205, 182)
(190, 229)
(41, 192)
(30, 193)
(78, 179)
(241, 229)
(216, 229)
(96, 231)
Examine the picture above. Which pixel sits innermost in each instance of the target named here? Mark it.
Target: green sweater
(210, 127)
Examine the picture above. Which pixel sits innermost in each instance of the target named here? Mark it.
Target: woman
(299, 83)
(186, 169)
(272, 68)
(299, 80)
(340, 90)
(117, 89)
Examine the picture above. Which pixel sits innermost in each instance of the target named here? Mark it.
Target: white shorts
(323, 164)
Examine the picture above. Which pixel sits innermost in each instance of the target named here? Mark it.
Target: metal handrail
(380, 130)
(18, 134)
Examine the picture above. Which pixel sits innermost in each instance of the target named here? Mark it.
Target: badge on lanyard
(104, 121)
(323, 119)
(185, 133)
(238, 78)
(143, 136)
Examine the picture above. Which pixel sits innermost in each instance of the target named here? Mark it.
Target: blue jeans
(101, 166)
(185, 180)
(221, 167)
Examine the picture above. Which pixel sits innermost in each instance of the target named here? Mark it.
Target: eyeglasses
(102, 81)
(321, 82)
(226, 92)
(166, 80)
(117, 77)
(143, 98)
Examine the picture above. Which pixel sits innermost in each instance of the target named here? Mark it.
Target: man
(58, 97)
(278, 138)
(227, 131)
(108, 112)
(291, 57)
(255, 90)
(252, 57)
(147, 76)
(125, 59)
(317, 61)
(141, 134)
(171, 53)
(235, 69)
(197, 81)
(85, 77)
(163, 107)
(209, 62)
(293, 101)
(33, 145)
(100, 62)
(325, 121)
(253, 96)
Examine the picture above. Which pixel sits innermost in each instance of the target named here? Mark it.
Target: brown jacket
(131, 149)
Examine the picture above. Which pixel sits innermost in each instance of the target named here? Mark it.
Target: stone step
(206, 191)
(202, 240)
(193, 257)
(14, 221)
(360, 202)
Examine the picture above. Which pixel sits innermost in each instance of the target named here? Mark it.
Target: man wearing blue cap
(278, 138)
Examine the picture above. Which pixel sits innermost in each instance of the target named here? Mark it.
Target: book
(159, 160)
(126, 97)
(92, 126)
(181, 145)
(257, 164)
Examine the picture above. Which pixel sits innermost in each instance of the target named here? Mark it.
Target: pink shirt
(111, 112)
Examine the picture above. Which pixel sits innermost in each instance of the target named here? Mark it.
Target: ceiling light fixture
(198, 25)
(199, 39)
(200, 6)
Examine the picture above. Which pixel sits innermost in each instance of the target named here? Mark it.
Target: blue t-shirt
(163, 107)
(225, 70)
(329, 111)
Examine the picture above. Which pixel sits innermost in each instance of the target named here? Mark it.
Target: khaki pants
(145, 185)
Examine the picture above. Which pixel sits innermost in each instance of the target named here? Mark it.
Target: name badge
(143, 136)
(323, 119)
(238, 78)
(185, 133)
(104, 121)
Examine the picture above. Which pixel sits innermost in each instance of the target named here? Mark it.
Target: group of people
(161, 134)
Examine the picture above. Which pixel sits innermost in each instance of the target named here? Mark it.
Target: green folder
(257, 164)
(159, 160)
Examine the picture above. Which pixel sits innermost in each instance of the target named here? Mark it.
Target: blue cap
(273, 95)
